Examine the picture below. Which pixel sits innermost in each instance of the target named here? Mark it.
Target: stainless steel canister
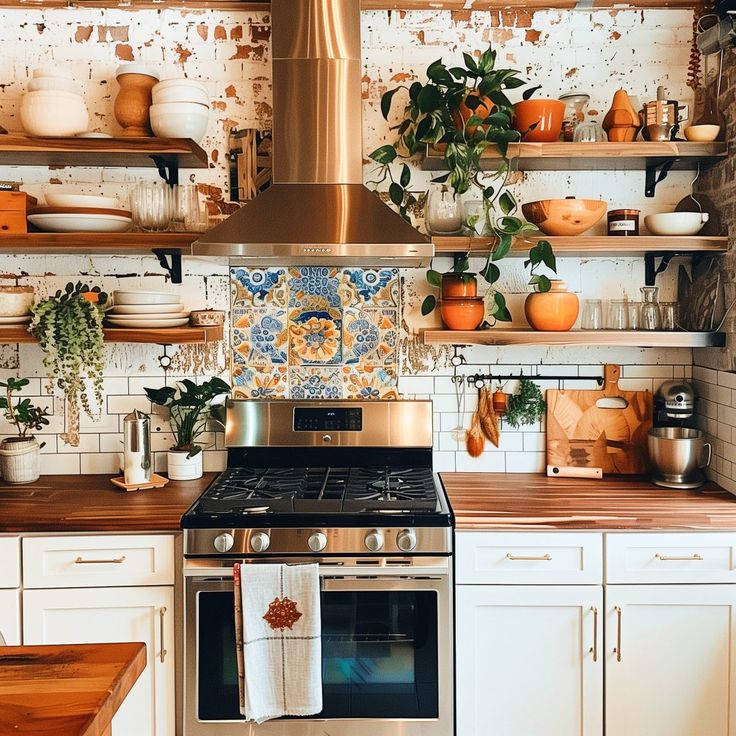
(137, 448)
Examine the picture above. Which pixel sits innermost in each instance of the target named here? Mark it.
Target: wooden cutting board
(604, 429)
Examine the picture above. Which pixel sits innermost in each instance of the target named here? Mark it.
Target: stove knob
(259, 541)
(406, 540)
(317, 541)
(224, 542)
(374, 540)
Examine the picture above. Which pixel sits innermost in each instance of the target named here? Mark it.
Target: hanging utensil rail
(480, 379)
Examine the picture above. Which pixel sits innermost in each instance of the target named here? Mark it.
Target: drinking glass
(592, 314)
(589, 132)
(634, 315)
(650, 317)
(444, 211)
(152, 206)
(618, 315)
(668, 315)
(189, 214)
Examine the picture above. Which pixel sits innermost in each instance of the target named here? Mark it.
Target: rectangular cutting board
(604, 429)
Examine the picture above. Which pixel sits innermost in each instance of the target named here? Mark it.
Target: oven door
(386, 657)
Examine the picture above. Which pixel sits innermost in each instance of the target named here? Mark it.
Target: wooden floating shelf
(588, 245)
(593, 338)
(596, 156)
(19, 150)
(167, 336)
(95, 243)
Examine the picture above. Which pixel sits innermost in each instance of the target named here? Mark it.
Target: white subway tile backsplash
(444, 462)
(727, 379)
(488, 462)
(525, 462)
(102, 462)
(534, 442)
(61, 464)
(705, 374)
(127, 404)
(111, 442)
(416, 385)
(647, 371)
(87, 443)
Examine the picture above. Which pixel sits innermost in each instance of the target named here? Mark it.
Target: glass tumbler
(152, 206)
(668, 315)
(618, 315)
(189, 214)
(589, 132)
(634, 315)
(650, 317)
(444, 211)
(592, 314)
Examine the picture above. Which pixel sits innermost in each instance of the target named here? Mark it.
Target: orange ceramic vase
(462, 314)
(622, 122)
(547, 114)
(459, 286)
(552, 311)
(464, 113)
(133, 102)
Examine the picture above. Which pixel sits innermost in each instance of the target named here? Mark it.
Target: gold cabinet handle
(594, 648)
(539, 558)
(617, 650)
(692, 557)
(115, 561)
(161, 615)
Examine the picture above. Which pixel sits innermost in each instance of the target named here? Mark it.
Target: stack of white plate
(146, 309)
(80, 213)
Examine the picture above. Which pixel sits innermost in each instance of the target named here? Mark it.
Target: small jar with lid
(576, 104)
(623, 222)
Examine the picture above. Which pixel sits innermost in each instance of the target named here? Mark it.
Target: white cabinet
(10, 617)
(66, 616)
(672, 669)
(529, 660)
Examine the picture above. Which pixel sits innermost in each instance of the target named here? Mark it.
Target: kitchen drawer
(98, 561)
(10, 617)
(528, 558)
(699, 557)
(9, 562)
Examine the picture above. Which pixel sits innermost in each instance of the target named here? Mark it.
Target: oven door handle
(382, 582)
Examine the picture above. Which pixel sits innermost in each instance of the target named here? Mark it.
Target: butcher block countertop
(69, 690)
(84, 503)
(525, 501)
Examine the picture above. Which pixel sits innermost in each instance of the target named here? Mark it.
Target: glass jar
(623, 222)
(476, 220)
(152, 206)
(576, 103)
(589, 132)
(444, 211)
(649, 316)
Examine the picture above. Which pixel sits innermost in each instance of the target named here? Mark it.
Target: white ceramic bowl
(56, 96)
(60, 199)
(15, 301)
(53, 116)
(145, 297)
(54, 84)
(136, 68)
(702, 133)
(52, 70)
(676, 223)
(190, 122)
(180, 90)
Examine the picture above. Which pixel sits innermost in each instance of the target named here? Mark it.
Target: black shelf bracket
(652, 269)
(168, 169)
(655, 173)
(170, 260)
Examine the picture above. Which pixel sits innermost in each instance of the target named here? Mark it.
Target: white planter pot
(20, 461)
(181, 467)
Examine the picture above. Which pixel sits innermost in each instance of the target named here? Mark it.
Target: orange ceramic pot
(564, 217)
(464, 113)
(548, 115)
(134, 100)
(459, 286)
(552, 311)
(462, 314)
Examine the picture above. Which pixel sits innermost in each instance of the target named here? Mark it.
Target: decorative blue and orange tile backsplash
(315, 332)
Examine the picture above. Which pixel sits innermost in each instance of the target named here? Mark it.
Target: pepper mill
(137, 448)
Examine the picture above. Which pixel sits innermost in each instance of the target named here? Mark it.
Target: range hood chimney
(317, 210)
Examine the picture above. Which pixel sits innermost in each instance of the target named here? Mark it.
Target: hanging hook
(165, 362)
(457, 358)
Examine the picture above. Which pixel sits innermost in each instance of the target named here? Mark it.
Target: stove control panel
(374, 540)
(223, 542)
(406, 540)
(317, 541)
(319, 419)
(259, 541)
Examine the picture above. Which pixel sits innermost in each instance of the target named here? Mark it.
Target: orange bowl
(462, 314)
(564, 217)
(547, 114)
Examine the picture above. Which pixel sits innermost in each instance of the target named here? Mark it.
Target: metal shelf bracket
(655, 173)
(169, 172)
(170, 260)
(652, 269)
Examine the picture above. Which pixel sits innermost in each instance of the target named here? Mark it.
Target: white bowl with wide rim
(66, 199)
(76, 223)
(60, 114)
(54, 84)
(145, 297)
(676, 223)
(180, 90)
(180, 120)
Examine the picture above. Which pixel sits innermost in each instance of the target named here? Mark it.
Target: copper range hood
(317, 210)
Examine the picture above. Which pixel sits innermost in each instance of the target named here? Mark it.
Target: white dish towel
(281, 635)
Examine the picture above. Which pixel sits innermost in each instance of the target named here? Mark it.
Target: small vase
(459, 286)
(622, 121)
(539, 121)
(462, 314)
(444, 211)
(133, 102)
(20, 460)
(181, 467)
(552, 311)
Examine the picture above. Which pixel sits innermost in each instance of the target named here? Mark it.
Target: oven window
(379, 655)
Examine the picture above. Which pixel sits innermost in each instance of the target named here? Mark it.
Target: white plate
(69, 223)
(60, 199)
(113, 314)
(16, 320)
(93, 134)
(144, 324)
(143, 309)
(145, 297)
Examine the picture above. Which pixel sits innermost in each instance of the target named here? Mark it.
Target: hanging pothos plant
(68, 326)
(461, 111)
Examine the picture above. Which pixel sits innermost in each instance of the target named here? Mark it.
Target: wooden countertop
(524, 501)
(69, 690)
(82, 503)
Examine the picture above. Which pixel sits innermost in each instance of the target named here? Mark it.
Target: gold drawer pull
(617, 650)
(161, 614)
(684, 558)
(116, 561)
(594, 648)
(540, 558)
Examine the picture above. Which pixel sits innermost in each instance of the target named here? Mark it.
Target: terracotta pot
(564, 217)
(547, 113)
(134, 101)
(464, 113)
(552, 311)
(622, 122)
(91, 296)
(459, 286)
(500, 402)
(462, 314)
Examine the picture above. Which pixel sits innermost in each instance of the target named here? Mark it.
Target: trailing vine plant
(461, 111)
(68, 327)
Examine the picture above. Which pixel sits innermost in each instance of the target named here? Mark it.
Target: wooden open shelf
(95, 243)
(167, 336)
(587, 245)
(597, 156)
(592, 338)
(19, 150)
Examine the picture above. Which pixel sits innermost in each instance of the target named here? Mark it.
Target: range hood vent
(317, 210)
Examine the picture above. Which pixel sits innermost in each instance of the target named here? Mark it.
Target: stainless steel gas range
(349, 485)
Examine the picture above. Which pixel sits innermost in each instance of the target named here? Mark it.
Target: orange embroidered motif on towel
(282, 613)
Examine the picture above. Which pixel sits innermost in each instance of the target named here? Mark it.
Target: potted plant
(190, 406)
(461, 111)
(68, 327)
(540, 120)
(20, 456)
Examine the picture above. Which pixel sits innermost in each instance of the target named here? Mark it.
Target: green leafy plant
(68, 326)
(190, 406)
(23, 415)
(462, 111)
(527, 406)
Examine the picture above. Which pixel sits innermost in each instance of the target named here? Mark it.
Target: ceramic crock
(552, 311)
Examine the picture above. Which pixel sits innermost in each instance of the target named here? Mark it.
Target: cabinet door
(529, 660)
(94, 615)
(670, 660)
(10, 617)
